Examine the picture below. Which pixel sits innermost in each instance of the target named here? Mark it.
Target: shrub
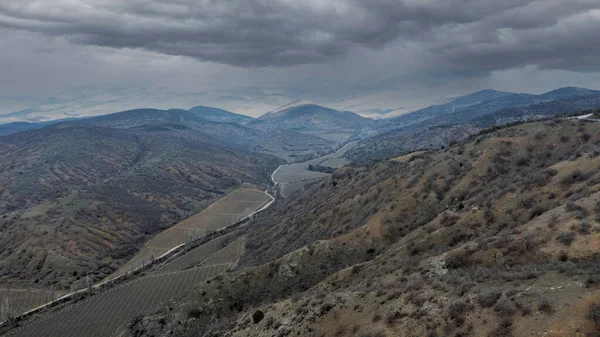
(257, 316)
(523, 161)
(593, 314)
(448, 220)
(592, 280)
(504, 329)
(525, 310)
(456, 309)
(392, 317)
(194, 312)
(487, 300)
(586, 137)
(505, 309)
(574, 177)
(584, 227)
(563, 256)
(546, 307)
(536, 211)
(572, 207)
(457, 259)
(566, 237)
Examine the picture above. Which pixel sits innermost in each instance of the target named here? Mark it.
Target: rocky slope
(493, 236)
(437, 126)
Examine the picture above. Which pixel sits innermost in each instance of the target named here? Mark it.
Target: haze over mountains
(84, 194)
(484, 101)
(303, 129)
(277, 168)
(81, 196)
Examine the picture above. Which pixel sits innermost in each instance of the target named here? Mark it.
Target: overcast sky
(81, 57)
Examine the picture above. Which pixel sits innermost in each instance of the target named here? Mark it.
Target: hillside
(438, 126)
(226, 132)
(313, 119)
(78, 199)
(14, 127)
(482, 103)
(494, 236)
(457, 104)
(219, 115)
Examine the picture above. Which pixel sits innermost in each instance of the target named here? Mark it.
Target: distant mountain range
(476, 105)
(302, 119)
(294, 132)
(422, 129)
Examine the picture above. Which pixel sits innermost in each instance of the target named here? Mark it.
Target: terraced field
(108, 313)
(195, 256)
(225, 212)
(228, 255)
(16, 301)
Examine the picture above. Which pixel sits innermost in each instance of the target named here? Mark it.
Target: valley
(168, 266)
(504, 224)
(233, 208)
(291, 177)
(155, 222)
(305, 168)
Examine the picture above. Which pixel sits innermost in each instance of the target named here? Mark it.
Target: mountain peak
(293, 104)
(569, 91)
(487, 93)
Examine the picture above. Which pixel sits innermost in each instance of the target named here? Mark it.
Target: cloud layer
(455, 35)
(82, 57)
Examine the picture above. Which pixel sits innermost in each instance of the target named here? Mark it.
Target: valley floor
(111, 307)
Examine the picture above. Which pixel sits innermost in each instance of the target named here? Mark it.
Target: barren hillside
(494, 236)
(82, 199)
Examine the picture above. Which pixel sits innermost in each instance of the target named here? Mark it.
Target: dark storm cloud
(481, 35)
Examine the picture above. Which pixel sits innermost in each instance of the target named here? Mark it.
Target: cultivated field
(290, 145)
(335, 162)
(108, 313)
(197, 255)
(228, 255)
(17, 301)
(292, 177)
(221, 214)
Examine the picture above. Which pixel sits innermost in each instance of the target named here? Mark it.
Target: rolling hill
(492, 236)
(82, 198)
(222, 126)
(313, 119)
(220, 115)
